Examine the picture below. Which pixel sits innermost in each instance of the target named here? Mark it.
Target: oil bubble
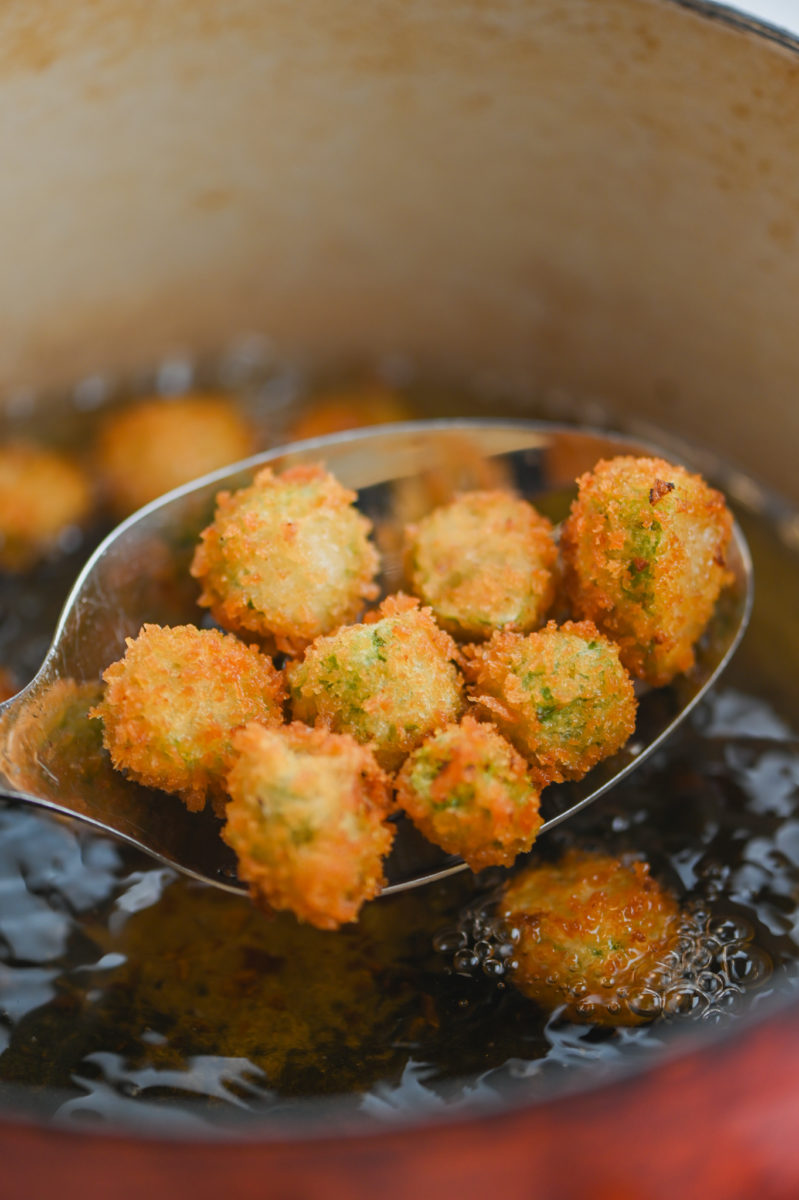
(730, 930)
(683, 999)
(646, 1003)
(450, 940)
(465, 962)
(746, 966)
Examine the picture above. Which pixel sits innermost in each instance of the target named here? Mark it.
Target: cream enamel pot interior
(577, 199)
(598, 198)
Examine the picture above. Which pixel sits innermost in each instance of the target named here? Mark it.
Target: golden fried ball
(592, 928)
(350, 408)
(560, 695)
(157, 444)
(288, 558)
(42, 493)
(307, 820)
(644, 554)
(469, 792)
(389, 681)
(172, 704)
(483, 562)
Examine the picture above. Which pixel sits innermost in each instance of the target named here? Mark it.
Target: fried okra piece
(307, 820)
(159, 443)
(560, 695)
(350, 408)
(644, 555)
(172, 703)
(483, 562)
(592, 927)
(288, 558)
(469, 792)
(43, 493)
(389, 681)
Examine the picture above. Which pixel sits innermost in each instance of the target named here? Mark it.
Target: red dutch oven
(576, 199)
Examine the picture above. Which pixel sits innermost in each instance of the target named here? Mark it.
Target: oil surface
(131, 996)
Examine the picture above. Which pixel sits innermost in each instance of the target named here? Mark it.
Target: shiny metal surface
(50, 750)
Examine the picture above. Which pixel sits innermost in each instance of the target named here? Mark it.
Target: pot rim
(681, 1045)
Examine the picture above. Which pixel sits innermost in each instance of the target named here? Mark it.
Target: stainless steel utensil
(50, 750)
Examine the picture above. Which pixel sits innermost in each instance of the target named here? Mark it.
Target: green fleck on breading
(641, 549)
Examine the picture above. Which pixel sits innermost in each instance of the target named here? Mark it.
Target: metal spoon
(51, 753)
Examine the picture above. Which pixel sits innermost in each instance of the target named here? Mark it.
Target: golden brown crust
(560, 695)
(592, 928)
(644, 554)
(171, 706)
(159, 443)
(287, 559)
(483, 562)
(469, 792)
(307, 820)
(389, 681)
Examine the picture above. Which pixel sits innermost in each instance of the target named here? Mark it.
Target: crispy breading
(483, 562)
(172, 703)
(389, 681)
(644, 553)
(288, 558)
(469, 792)
(158, 443)
(307, 820)
(592, 928)
(560, 695)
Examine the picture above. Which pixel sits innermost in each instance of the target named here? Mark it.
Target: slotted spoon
(51, 753)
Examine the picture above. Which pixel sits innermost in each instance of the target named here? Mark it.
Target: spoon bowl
(51, 752)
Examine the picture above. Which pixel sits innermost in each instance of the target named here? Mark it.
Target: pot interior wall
(602, 199)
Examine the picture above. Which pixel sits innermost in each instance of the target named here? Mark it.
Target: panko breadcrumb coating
(644, 553)
(350, 408)
(592, 928)
(159, 443)
(307, 820)
(469, 792)
(483, 562)
(172, 704)
(42, 493)
(389, 681)
(560, 695)
(288, 558)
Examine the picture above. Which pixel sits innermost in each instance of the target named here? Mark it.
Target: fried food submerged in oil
(350, 408)
(287, 559)
(483, 562)
(644, 553)
(592, 927)
(159, 443)
(560, 695)
(469, 792)
(389, 681)
(8, 684)
(42, 494)
(307, 820)
(171, 705)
